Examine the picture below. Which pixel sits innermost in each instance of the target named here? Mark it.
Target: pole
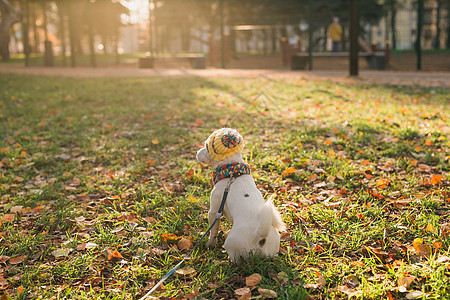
(222, 34)
(419, 34)
(354, 37)
(26, 46)
(310, 36)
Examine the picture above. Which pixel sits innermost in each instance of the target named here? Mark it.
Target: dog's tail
(269, 217)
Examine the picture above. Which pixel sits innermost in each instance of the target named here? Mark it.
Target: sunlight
(138, 10)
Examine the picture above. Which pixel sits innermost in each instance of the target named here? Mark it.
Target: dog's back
(255, 222)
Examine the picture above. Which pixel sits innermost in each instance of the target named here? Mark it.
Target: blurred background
(263, 34)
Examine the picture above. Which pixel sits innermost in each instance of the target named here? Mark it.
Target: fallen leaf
(186, 272)
(435, 179)
(405, 281)
(242, 292)
(16, 209)
(8, 218)
(169, 237)
(352, 281)
(382, 183)
(414, 295)
(253, 280)
(3, 284)
(61, 252)
(116, 254)
(155, 141)
(442, 259)
(437, 245)
(3, 258)
(17, 260)
(421, 248)
(267, 294)
(185, 244)
(19, 290)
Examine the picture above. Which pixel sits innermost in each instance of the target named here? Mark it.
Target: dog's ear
(204, 157)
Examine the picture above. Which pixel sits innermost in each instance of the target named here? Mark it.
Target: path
(441, 79)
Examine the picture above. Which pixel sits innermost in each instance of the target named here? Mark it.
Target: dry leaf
(186, 272)
(155, 141)
(3, 284)
(185, 244)
(404, 282)
(242, 291)
(414, 295)
(17, 260)
(382, 183)
(116, 254)
(8, 218)
(19, 290)
(16, 209)
(421, 248)
(435, 179)
(267, 294)
(3, 258)
(61, 252)
(253, 279)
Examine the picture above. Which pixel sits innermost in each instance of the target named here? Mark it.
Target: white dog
(256, 223)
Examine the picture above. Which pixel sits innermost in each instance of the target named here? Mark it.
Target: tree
(9, 16)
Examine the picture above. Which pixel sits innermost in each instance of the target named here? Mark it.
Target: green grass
(111, 162)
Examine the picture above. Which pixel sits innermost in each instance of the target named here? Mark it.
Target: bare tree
(9, 16)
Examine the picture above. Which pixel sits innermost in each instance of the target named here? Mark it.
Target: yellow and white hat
(224, 143)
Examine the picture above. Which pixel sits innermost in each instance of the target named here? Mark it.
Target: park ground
(101, 194)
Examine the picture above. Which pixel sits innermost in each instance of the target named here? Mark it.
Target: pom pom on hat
(224, 143)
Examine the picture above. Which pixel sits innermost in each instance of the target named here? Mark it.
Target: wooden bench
(375, 60)
(197, 61)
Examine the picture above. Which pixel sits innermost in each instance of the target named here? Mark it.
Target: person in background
(335, 33)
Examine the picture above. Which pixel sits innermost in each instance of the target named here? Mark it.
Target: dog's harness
(232, 176)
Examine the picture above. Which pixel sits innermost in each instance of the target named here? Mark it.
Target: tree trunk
(62, 29)
(10, 16)
(393, 25)
(437, 39)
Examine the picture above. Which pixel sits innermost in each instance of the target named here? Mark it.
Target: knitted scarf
(229, 170)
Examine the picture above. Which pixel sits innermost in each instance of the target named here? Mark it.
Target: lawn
(101, 194)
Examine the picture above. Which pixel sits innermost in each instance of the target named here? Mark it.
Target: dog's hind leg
(212, 241)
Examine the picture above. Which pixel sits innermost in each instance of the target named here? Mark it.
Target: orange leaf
(435, 179)
(151, 163)
(19, 290)
(328, 142)
(382, 183)
(155, 141)
(223, 122)
(17, 260)
(366, 162)
(288, 171)
(428, 143)
(198, 122)
(8, 218)
(437, 245)
(116, 254)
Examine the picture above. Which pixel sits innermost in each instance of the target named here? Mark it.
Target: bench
(375, 60)
(197, 61)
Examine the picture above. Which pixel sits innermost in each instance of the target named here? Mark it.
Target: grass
(99, 183)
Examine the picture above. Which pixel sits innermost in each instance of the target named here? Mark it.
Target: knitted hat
(224, 143)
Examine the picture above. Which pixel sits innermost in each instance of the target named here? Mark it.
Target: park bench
(375, 60)
(197, 61)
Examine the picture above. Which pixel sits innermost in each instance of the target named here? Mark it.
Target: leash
(218, 215)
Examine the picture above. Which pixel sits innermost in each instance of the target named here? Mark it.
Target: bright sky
(138, 11)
